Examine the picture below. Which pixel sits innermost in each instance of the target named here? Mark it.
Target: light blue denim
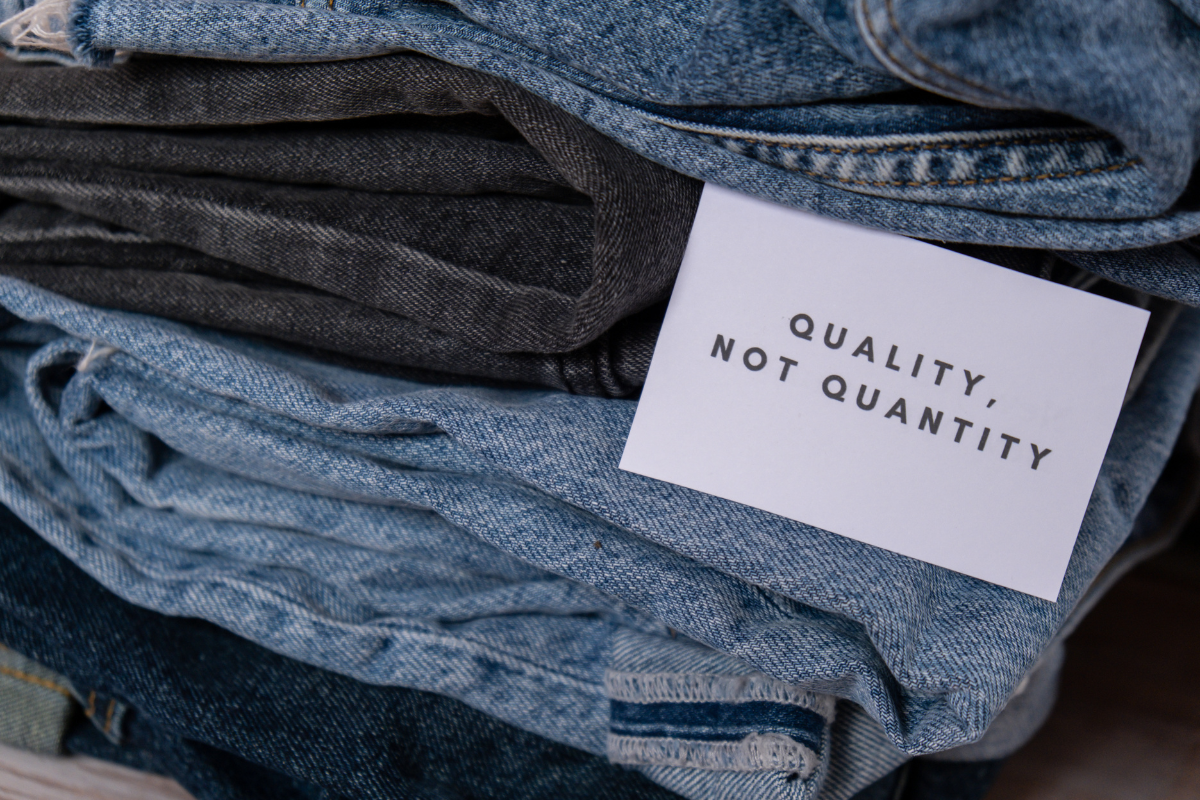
(407, 533)
(1081, 139)
(382, 589)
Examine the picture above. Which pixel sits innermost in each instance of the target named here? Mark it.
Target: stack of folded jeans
(323, 330)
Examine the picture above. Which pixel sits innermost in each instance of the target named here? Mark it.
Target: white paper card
(738, 399)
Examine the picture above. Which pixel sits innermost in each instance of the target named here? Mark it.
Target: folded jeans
(324, 513)
(1062, 136)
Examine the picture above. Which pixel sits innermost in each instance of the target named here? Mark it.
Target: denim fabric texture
(223, 715)
(1172, 505)
(38, 707)
(468, 216)
(99, 264)
(35, 704)
(207, 701)
(925, 780)
(707, 725)
(410, 534)
(1055, 134)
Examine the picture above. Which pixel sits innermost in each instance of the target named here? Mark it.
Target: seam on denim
(62, 233)
(35, 680)
(108, 717)
(912, 148)
(1016, 135)
(926, 147)
(767, 752)
(976, 181)
(908, 74)
(680, 687)
(971, 181)
(912, 48)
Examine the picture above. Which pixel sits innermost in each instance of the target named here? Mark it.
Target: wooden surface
(1127, 723)
(25, 776)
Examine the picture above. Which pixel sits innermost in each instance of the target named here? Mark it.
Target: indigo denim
(1059, 133)
(411, 534)
(924, 780)
(215, 711)
(456, 201)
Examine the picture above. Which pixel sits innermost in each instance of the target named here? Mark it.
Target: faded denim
(222, 715)
(476, 213)
(861, 757)
(167, 462)
(1077, 139)
(217, 712)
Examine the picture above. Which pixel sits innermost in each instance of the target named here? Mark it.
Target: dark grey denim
(102, 265)
(97, 264)
(457, 201)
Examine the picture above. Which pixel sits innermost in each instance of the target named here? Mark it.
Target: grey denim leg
(96, 263)
(524, 231)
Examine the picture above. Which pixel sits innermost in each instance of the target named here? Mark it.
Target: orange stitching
(91, 709)
(1007, 179)
(35, 680)
(911, 148)
(109, 716)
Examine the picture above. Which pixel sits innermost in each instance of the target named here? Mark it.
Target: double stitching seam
(949, 182)
(895, 25)
(1045, 176)
(90, 712)
(108, 718)
(35, 680)
(912, 148)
